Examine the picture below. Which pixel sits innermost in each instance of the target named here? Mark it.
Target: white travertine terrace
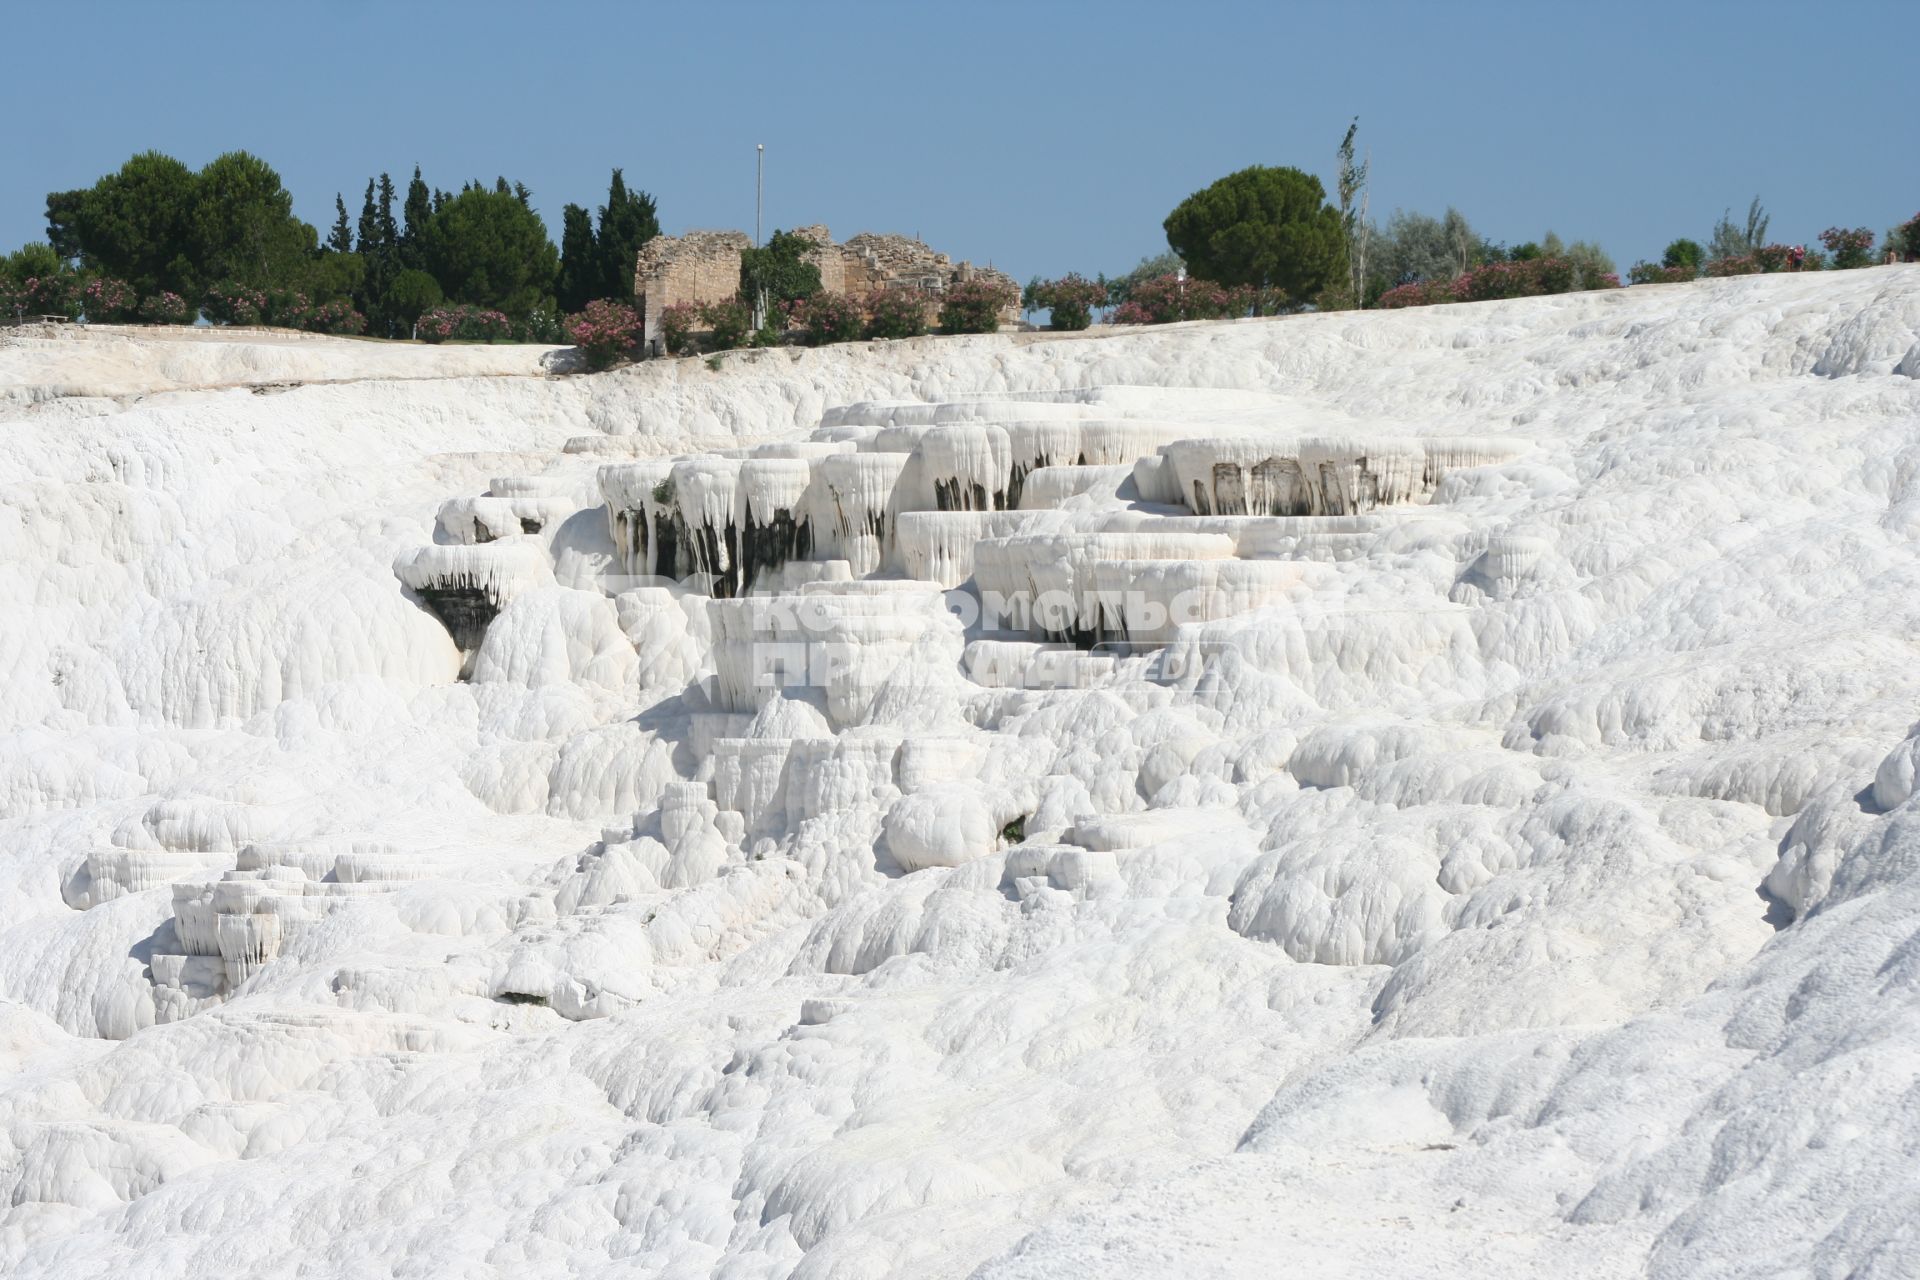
(1440, 795)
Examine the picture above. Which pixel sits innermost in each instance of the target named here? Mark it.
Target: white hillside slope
(1475, 834)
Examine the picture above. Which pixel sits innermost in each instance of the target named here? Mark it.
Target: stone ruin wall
(704, 266)
(701, 266)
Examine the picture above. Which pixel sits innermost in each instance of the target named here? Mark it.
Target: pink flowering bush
(1654, 273)
(1530, 278)
(1167, 299)
(897, 313)
(1773, 257)
(166, 307)
(1907, 234)
(677, 324)
(974, 306)
(1850, 247)
(1744, 265)
(289, 309)
(1071, 300)
(1491, 280)
(337, 317)
(105, 300)
(463, 323)
(604, 332)
(827, 317)
(49, 295)
(1418, 293)
(232, 303)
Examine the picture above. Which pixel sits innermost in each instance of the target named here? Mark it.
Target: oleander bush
(828, 317)
(604, 331)
(1653, 273)
(1169, 299)
(464, 323)
(677, 325)
(107, 300)
(728, 321)
(1850, 247)
(974, 306)
(897, 313)
(166, 307)
(1417, 293)
(1071, 299)
(1745, 264)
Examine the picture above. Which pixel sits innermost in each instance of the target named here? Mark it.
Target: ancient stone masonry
(704, 266)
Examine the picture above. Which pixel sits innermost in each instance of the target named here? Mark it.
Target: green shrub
(677, 324)
(1684, 253)
(1905, 239)
(1650, 273)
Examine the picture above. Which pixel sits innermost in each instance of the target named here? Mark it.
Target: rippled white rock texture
(1412, 794)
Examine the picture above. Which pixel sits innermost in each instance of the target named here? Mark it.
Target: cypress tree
(419, 209)
(627, 221)
(579, 260)
(340, 239)
(369, 223)
(389, 225)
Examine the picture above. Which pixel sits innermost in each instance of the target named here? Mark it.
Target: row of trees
(162, 241)
(1267, 239)
(1743, 248)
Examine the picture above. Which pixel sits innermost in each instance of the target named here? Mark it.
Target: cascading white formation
(1458, 829)
(1060, 526)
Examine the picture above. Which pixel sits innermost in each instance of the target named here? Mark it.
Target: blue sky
(1041, 136)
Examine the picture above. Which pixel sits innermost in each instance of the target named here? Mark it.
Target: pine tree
(580, 271)
(419, 209)
(627, 221)
(340, 239)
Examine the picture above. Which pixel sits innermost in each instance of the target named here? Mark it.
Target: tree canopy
(779, 269)
(489, 249)
(243, 224)
(137, 224)
(159, 226)
(1270, 228)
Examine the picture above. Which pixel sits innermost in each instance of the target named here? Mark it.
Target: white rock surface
(1507, 866)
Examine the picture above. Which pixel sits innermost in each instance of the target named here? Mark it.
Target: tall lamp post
(759, 194)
